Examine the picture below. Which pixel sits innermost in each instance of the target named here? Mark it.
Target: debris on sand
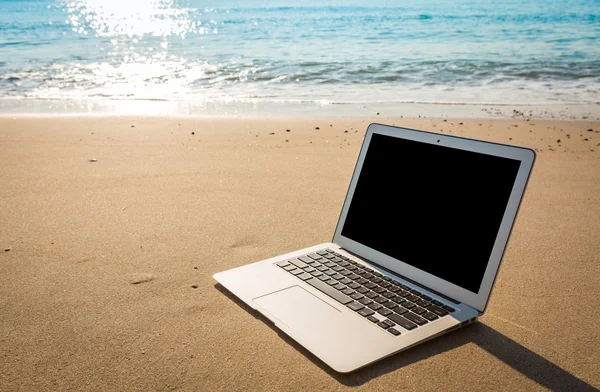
(193, 133)
(272, 133)
(317, 128)
(194, 286)
(288, 130)
(93, 160)
(590, 130)
(7, 250)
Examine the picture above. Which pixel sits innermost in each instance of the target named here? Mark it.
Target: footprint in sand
(141, 278)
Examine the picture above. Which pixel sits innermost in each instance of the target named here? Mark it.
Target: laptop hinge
(404, 278)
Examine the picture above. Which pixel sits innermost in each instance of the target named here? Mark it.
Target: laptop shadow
(520, 358)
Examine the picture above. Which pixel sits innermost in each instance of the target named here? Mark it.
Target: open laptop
(414, 255)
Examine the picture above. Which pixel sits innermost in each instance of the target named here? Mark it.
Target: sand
(105, 266)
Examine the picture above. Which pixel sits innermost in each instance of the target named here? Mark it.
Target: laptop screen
(436, 208)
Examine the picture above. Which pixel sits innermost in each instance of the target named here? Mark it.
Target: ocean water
(353, 51)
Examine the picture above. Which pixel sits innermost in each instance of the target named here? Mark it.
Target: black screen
(433, 207)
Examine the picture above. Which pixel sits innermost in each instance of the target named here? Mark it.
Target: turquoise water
(449, 51)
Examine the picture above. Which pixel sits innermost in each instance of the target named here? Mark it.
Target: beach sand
(106, 265)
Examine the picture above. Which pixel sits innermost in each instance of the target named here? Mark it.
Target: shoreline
(267, 109)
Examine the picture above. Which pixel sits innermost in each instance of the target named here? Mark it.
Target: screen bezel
(476, 300)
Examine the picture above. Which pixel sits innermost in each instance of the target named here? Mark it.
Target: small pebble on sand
(317, 128)
(93, 160)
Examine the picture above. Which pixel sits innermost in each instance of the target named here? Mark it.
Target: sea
(197, 55)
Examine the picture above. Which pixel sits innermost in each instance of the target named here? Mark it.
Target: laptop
(415, 253)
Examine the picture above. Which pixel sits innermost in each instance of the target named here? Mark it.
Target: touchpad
(297, 308)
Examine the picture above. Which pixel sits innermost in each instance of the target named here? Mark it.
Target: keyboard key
(345, 272)
(297, 271)
(415, 319)
(349, 291)
(353, 285)
(370, 285)
(393, 331)
(384, 312)
(337, 268)
(429, 316)
(367, 276)
(400, 310)
(385, 285)
(376, 280)
(375, 306)
(332, 282)
(436, 302)
(353, 276)
(439, 311)
(357, 271)
(380, 299)
(383, 325)
(362, 290)
(426, 297)
(344, 258)
(344, 264)
(336, 254)
(324, 278)
(314, 256)
(328, 257)
(329, 250)
(418, 310)
(322, 268)
(333, 293)
(340, 287)
(391, 305)
(321, 253)
(416, 292)
(304, 276)
(371, 295)
(305, 259)
(366, 312)
(337, 276)
(329, 272)
(403, 293)
(353, 295)
(336, 260)
(388, 294)
(423, 303)
(316, 273)
(366, 301)
(330, 264)
(389, 322)
(379, 290)
(373, 319)
(394, 289)
(448, 308)
(355, 306)
(377, 273)
(361, 281)
(309, 269)
(282, 264)
(397, 300)
(346, 281)
(386, 278)
(289, 267)
(401, 321)
(413, 298)
(408, 305)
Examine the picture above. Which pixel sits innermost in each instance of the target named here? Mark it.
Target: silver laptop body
(415, 252)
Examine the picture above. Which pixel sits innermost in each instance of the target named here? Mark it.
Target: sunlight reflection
(113, 18)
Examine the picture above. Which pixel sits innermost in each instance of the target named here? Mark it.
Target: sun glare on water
(133, 19)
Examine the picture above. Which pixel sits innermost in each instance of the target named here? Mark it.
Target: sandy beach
(111, 228)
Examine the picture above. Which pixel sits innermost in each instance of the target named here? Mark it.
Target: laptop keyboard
(366, 291)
